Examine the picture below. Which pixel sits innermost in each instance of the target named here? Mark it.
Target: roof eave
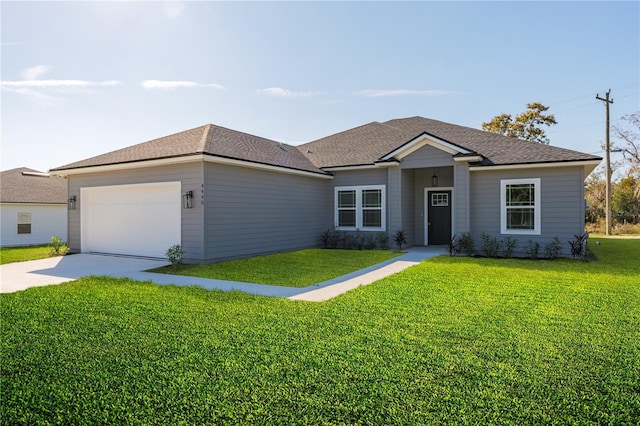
(589, 165)
(181, 159)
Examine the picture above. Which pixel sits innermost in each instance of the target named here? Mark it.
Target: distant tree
(525, 125)
(625, 204)
(594, 194)
(629, 133)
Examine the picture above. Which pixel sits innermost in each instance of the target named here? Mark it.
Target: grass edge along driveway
(449, 341)
(291, 269)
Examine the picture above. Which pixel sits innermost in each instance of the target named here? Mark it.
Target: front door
(439, 217)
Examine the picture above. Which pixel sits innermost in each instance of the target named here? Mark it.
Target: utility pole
(607, 152)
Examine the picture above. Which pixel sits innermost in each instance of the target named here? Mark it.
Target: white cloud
(58, 83)
(284, 93)
(34, 72)
(167, 85)
(372, 93)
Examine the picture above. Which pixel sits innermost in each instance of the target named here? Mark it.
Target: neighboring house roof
(369, 143)
(24, 185)
(206, 140)
(364, 145)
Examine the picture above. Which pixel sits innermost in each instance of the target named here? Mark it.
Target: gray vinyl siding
(377, 176)
(461, 215)
(562, 205)
(408, 207)
(427, 156)
(394, 200)
(251, 211)
(190, 176)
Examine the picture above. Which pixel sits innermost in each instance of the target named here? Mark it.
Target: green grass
(450, 341)
(293, 269)
(21, 254)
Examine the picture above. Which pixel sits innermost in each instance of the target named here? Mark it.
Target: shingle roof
(20, 186)
(496, 149)
(207, 140)
(362, 145)
(368, 143)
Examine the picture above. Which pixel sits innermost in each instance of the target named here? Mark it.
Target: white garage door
(138, 220)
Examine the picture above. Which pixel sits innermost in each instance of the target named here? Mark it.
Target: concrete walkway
(22, 275)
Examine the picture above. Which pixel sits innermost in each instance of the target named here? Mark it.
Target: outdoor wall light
(72, 202)
(187, 201)
(434, 178)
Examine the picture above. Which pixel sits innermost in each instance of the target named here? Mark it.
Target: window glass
(520, 195)
(372, 218)
(347, 218)
(24, 223)
(520, 206)
(360, 207)
(371, 198)
(440, 200)
(520, 218)
(346, 199)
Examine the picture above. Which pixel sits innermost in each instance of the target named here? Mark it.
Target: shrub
(490, 245)
(370, 242)
(552, 248)
(533, 249)
(326, 238)
(347, 240)
(626, 228)
(383, 240)
(579, 245)
(57, 247)
(508, 246)
(454, 246)
(175, 254)
(399, 239)
(466, 243)
(358, 240)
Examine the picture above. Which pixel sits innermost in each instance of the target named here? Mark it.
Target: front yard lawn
(293, 269)
(449, 341)
(21, 254)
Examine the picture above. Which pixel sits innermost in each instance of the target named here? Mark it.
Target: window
(520, 206)
(440, 199)
(360, 207)
(24, 223)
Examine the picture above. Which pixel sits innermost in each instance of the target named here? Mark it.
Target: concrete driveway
(55, 270)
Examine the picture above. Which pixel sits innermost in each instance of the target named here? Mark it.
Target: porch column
(394, 200)
(461, 181)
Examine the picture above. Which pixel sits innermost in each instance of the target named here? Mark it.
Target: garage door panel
(140, 220)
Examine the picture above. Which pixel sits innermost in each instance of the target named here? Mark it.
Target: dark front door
(439, 217)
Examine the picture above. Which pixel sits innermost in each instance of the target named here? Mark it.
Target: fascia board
(587, 164)
(183, 160)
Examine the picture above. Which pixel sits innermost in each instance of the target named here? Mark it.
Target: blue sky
(83, 78)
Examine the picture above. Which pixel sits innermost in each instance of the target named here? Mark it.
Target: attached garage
(137, 220)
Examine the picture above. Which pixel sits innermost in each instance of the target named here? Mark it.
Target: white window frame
(24, 218)
(359, 207)
(536, 206)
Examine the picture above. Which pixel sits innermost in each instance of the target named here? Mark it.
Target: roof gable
(24, 185)
(495, 149)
